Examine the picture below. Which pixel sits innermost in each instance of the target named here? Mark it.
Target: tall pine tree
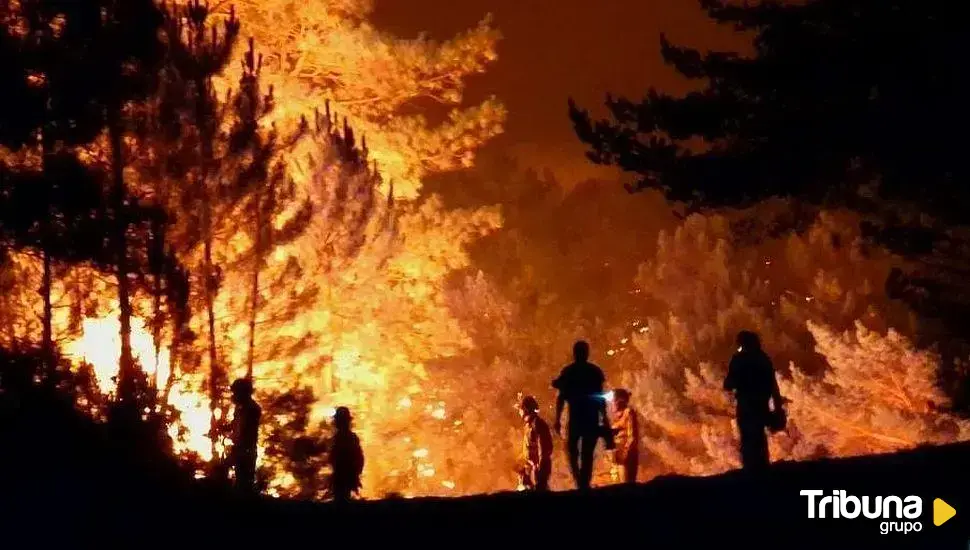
(126, 51)
(224, 175)
(46, 109)
(73, 69)
(272, 195)
(838, 94)
(845, 103)
(194, 170)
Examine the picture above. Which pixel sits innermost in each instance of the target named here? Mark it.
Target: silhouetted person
(245, 434)
(346, 458)
(580, 384)
(752, 378)
(626, 436)
(537, 445)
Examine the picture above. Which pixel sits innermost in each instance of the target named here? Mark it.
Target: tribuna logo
(840, 505)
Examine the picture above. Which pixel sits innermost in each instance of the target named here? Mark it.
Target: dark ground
(676, 512)
(64, 484)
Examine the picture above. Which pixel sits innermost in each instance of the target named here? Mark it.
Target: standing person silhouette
(346, 458)
(752, 378)
(580, 384)
(537, 445)
(245, 419)
(626, 435)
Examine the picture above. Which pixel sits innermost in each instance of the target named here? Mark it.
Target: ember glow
(423, 433)
(99, 345)
(361, 334)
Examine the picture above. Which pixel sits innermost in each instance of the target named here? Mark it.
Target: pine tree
(73, 68)
(43, 60)
(341, 213)
(207, 121)
(126, 51)
(843, 103)
(156, 162)
(274, 196)
(347, 197)
(838, 94)
(322, 50)
(192, 176)
(221, 167)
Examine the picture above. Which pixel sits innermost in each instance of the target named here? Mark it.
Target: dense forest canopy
(837, 96)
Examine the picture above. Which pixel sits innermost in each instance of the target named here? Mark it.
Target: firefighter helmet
(529, 404)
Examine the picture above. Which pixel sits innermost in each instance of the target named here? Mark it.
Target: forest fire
(264, 261)
(280, 230)
(99, 345)
(323, 278)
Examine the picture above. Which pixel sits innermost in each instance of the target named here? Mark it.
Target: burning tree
(368, 323)
(298, 299)
(271, 202)
(77, 69)
(342, 214)
(799, 292)
(363, 255)
(322, 285)
(43, 59)
(803, 116)
(380, 367)
(35, 65)
(327, 50)
(881, 394)
(215, 178)
(84, 69)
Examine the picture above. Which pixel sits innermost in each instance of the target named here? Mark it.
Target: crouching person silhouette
(751, 377)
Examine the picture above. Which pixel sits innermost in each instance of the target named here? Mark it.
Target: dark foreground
(63, 483)
(675, 512)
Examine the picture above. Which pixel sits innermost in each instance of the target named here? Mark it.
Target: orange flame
(99, 345)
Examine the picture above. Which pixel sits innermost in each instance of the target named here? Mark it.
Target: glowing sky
(553, 49)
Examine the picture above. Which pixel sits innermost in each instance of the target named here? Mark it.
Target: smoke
(662, 307)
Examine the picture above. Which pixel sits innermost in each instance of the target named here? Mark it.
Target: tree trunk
(173, 360)
(174, 352)
(47, 346)
(254, 307)
(158, 248)
(47, 343)
(215, 373)
(126, 364)
(205, 119)
(254, 301)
